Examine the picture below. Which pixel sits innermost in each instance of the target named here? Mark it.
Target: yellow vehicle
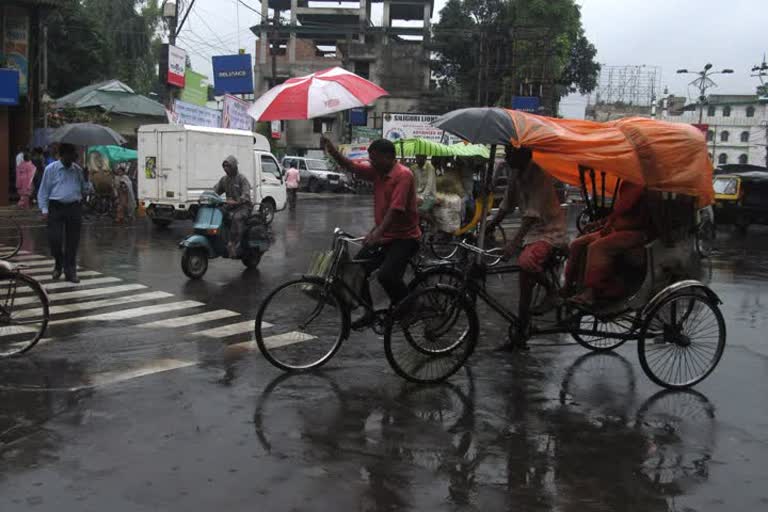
(741, 198)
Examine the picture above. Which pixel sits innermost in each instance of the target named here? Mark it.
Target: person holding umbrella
(61, 191)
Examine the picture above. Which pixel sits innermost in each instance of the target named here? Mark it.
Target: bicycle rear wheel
(11, 238)
(21, 327)
(301, 324)
(431, 334)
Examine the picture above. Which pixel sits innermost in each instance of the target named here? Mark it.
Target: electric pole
(760, 71)
(702, 83)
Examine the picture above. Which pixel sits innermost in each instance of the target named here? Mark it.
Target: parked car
(181, 162)
(317, 175)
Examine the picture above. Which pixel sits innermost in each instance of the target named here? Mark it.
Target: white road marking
(40, 263)
(94, 304)
(126, 314)
(26, 257)
(183, 321)
(38, 271)
(66, 284)
(49, 279)
(274, 341)
(93, 292)
(230, 330)
(151, 368)
(10, 330)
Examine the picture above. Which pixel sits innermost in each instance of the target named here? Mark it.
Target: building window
(744, 136)
(321, 125)
(722, 159)
(711, 111)
(710, 135)
(743, 159)
(726, 111)
(750, 111)
(724, 136)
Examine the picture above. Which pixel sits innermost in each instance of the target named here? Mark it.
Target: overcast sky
(671, 34)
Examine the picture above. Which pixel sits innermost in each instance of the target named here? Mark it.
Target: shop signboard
(195, 88)
(189, 113)
(235, 114)
(528, 104)
(232, 74)
(9, 87)
(15, 46)
(177, 64)
(401, 125)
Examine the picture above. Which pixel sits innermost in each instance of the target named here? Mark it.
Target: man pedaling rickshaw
(541, 231)
(591, 273)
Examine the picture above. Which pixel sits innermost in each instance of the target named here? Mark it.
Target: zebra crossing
(103, 301)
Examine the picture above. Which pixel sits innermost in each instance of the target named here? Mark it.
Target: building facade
(736, 125)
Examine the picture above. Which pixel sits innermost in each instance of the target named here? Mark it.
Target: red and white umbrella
(315, 95)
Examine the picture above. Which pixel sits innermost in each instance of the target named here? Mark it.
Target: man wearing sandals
(542, 229)
(395, 238)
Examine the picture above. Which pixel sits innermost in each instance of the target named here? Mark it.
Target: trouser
(238, 218)
(292, 193)
(64, 222)
(123, 207)
(600, 273)
(392, 260)
(23, 201)
(577, 259)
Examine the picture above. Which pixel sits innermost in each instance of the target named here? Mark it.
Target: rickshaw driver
(542, 230)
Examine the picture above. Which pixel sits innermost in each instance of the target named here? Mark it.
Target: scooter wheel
(194, 263)
(252, 259)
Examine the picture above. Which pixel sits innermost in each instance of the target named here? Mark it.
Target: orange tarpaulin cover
(670, 157)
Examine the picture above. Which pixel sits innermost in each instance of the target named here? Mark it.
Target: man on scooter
(239, 205)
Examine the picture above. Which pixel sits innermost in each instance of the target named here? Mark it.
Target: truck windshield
(317, 165)
(725, 186)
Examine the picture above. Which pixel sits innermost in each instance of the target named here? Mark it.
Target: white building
(737, 127)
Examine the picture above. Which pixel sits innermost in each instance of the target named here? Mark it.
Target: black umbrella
(87, 134)
(482, 125)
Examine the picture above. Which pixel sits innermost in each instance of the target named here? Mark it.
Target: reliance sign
(232, 74)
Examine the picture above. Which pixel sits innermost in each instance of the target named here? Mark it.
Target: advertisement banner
(398, 126)
(235, 114)
(195, 88)
(16, 46)
(364, 135)
(528, 104)
(9, 87)
(232, 74)
(189, 113)
(177, 65)
(274, 128)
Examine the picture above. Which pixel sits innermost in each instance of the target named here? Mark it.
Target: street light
(704, 82)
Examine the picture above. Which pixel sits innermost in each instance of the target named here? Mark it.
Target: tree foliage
(93, 40)
(491, 50)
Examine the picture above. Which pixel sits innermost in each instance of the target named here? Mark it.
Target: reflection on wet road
(148, 394)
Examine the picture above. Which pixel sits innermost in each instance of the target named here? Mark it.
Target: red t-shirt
(395, 190)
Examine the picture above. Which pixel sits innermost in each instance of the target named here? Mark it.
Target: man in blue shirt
(61, 191)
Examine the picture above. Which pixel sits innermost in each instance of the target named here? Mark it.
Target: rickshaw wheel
(582, 220)
(682, 340)
(604, 329)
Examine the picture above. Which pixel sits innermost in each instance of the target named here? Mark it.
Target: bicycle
(20, 328)
(302, 323)
(11, 238)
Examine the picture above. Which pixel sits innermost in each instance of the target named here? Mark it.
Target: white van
(177, 163)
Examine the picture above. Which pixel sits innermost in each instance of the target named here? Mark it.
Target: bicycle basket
(320, 265)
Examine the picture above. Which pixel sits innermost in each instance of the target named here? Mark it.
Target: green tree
(491, 50)
(93, 40)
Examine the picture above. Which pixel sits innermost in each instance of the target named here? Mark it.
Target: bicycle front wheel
(11, 238)
(431, 334)
(301, 324)
(23, 319)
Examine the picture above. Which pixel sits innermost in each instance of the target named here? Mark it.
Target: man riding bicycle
(395, 237)
(541, 231)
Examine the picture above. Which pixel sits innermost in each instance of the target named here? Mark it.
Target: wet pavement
(148, 393)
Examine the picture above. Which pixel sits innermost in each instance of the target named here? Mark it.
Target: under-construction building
(624, 91)
(298, 37)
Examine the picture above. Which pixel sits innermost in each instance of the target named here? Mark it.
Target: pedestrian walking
(292, 179)
(61, 193)
(126, 202)
(25, 173)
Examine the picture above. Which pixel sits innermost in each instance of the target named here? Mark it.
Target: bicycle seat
(6, 266)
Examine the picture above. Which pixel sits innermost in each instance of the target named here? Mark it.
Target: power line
(209, 28)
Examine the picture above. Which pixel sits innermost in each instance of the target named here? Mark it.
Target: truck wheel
(252, 258)
(268, 212)
(315, 186)
(161, 223)
(194, 262)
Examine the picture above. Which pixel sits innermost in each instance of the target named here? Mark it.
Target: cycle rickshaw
(675, 319)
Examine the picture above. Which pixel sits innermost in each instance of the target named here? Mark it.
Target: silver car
(316, 174)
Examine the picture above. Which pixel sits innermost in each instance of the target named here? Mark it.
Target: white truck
(177, 163)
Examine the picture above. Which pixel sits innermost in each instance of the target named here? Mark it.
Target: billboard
(195, 88)
(529, 104)
(234, 114)
(189, 113)
(232, 74)
(15, 46)
(173, 64)
(9, 87)
(398, 126)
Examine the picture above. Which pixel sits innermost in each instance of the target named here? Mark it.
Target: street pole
(703, 83)
(44, 74)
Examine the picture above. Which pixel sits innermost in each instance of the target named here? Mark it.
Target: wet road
(149, 394)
